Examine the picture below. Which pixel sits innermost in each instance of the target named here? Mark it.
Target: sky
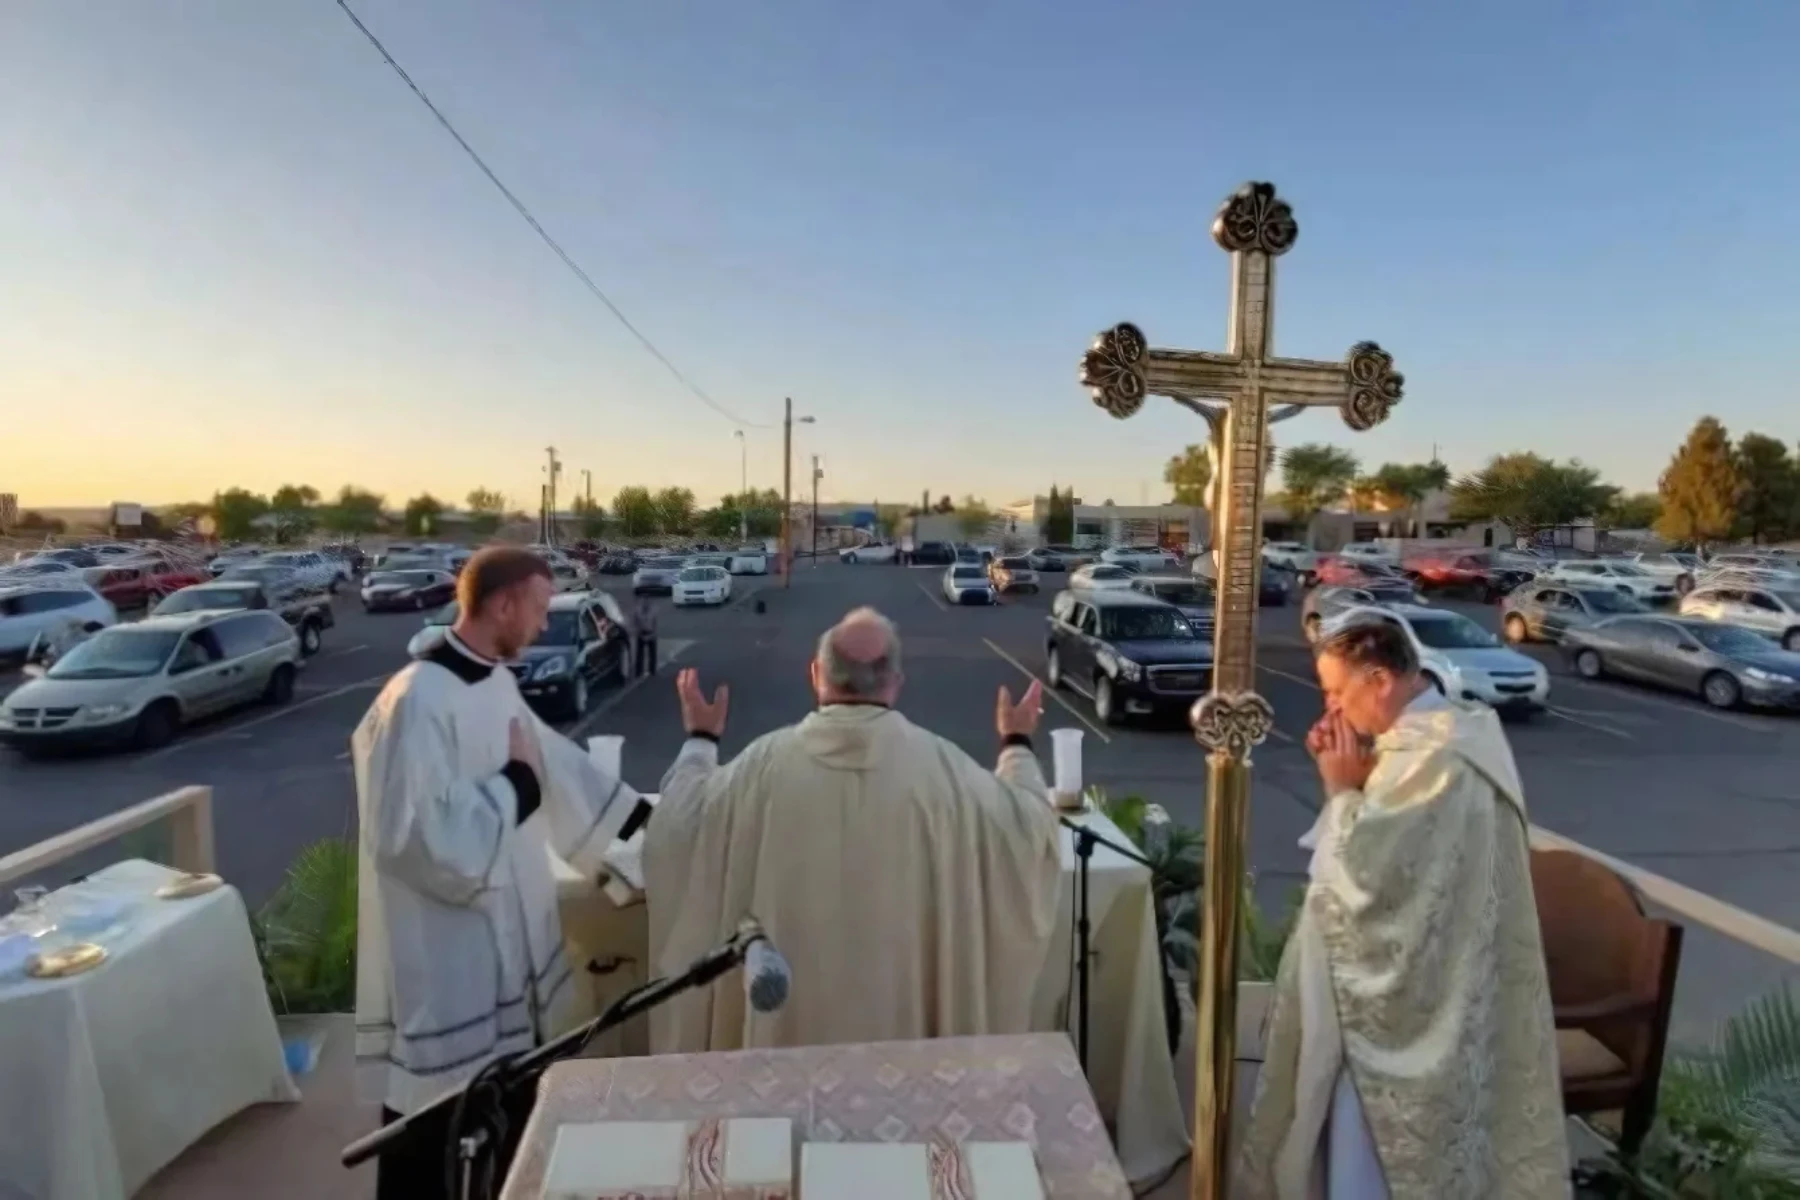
(237, 251)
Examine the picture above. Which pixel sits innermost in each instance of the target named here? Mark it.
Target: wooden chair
(1612, 983)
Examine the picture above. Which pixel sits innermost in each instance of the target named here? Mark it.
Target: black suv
(934, 554)
(1129, 653)
(584, 642)
(1194, 598)
(307, 609)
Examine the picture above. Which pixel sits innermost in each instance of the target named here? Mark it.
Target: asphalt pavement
(1703, 797)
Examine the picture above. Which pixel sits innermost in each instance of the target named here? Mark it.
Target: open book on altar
(731, 1159)
(919, 1171)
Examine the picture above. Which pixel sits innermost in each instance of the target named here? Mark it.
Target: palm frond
(309, 930)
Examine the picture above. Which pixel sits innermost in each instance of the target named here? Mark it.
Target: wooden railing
(188, 811)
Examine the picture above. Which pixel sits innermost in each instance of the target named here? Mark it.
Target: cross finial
(1255, 218)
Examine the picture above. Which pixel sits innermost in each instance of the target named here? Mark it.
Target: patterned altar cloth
(1021, 1088)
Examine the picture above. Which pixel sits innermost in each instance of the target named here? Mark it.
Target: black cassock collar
(454, 655)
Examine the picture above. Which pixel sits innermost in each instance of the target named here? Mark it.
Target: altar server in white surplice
(1411, 1050)
(462, 791)
(913, 890)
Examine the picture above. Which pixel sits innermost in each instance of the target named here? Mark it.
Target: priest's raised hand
(913, 888)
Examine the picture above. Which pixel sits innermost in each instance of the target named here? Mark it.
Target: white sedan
(968, 583)
(748, 560)
(702, 585)
(871, 553)
(1461, 659)
(1102, 577)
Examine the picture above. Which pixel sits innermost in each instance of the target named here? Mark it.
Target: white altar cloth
(111, 1074)
(1131, 1068)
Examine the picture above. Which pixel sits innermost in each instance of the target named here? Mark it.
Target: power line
(544, 234)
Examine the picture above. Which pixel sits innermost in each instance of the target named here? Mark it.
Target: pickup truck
(306, 609)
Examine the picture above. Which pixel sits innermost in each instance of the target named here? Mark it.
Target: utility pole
(551, 471)
(743, 489)
(587, 485)
(787, 493)
(815, 511)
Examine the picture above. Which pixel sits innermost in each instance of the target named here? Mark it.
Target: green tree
(1314, 476)
(37, 522)
(1700, 487)
(354, 511)
(944, 505)
(590, 518)
(1635, 510)
(422, 513)
(236, 512)
(1402, 487)
(1529, 492)
(486, 510)
(1768, 508)
(674, 510)
(293, 508)
(635, 510)
(973, 517)
(1188, 474)
(1059, 517)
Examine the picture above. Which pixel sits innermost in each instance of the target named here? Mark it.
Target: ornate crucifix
(1255, 227)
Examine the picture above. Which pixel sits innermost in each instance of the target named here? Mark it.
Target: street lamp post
(743, 489)
(787, 490)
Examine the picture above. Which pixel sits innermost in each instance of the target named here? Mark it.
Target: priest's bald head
(858, 661)
(503, 601)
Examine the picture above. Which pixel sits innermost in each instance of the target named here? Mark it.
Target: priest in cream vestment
(1411, 1051)
(912, 890)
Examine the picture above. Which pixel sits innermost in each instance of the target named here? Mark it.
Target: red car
(141, 582)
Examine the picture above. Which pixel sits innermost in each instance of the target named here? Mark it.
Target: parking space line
(1666, 705)
(338, 652)
(926, 592)
(284, 711)
(1049, 691)
(1567, 715)
(1280, 674)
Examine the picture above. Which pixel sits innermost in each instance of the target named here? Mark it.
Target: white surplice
(1411, 1049)
(913, 891)
(459, 942)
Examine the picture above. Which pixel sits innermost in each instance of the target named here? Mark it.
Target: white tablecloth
(1130, 1068)
(106, 1077)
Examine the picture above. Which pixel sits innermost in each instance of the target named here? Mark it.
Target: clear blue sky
(237, 250)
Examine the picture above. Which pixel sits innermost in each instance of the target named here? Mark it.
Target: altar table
(1021, 1088)
(1131, 1068)
(111, 1074)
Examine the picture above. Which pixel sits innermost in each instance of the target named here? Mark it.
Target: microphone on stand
(766, 974)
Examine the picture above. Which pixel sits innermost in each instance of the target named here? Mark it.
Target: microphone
(766, 975)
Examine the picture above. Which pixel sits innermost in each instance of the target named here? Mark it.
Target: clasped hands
(706, 717)
(1344, 759)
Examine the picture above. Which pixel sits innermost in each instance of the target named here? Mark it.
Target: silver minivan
(137, 685)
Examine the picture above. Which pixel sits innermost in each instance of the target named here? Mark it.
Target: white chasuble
(1411, 1049)
(459, 942)
(912, 890)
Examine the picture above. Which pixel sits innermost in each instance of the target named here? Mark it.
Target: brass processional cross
(1255, 227)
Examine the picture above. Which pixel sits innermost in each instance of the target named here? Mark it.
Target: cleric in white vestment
(461, 791)
(913, 890)
(1411, 1049)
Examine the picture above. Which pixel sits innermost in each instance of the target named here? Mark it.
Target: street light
(743, 488)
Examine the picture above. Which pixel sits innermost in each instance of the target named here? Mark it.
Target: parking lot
(1706, 798)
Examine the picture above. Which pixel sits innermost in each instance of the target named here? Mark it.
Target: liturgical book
(741, 1159)
(919, 1171)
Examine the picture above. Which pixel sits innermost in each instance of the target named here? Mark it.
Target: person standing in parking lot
(643, 621)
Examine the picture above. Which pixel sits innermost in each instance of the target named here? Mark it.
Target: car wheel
(1309, 628)
(850, 558)
(1515, 630)
(309, 638)
(281, 685)
(156, 725)
(1721, 690)
(1053, 669)
(1791, 640)
(1105, 703)
(1588, 664)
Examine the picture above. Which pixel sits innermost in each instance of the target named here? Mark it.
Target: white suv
(1616, 574)
(28, 609)
(1769, 611)
(1144, 558)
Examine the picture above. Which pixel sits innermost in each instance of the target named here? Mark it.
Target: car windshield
(560, 630)
(966, 573)
(1610, 602)
(1109, 573)
(1620, 568)
(699, 574)
(1448, 631)
(1131, 624)
(667, 564)
(118, 654)
(206, 600)
(400, 578)
(1728, 639)
(1182, 593)
(443, 616)
(1791, 599)
(751, 550)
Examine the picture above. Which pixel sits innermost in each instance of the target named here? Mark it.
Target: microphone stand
(1085, 841)
(501, 1079)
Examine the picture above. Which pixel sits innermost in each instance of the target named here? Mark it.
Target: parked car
(1325, 604)
(1128, 653)
(308, 611)
(1297, 557)
(312, 568)
(933, 554)
(348, 553)
(1102, 577)
(702, 585)
(584, 643)
(618, 562)
(967, 583)
(234, 556)
(1192, 598)
(748, 560)
(1678, 567)
(1546, 614)
(566, 575)
(1274, 584)
(970, 554)
(432, 632)
(31, 608)
(40, 568)
(1771, 612)
(1615, 573)
(1012, 573)
(139, 684)
(872, 552)
(140, 583)
(1144, 558)
(1369, 554)
(657, 574)
(417, 590)
(1724, 665)
(1461, 659)
(1474, 575)
(1050, 559)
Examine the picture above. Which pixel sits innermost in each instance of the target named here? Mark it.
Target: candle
(607, 752)
(1065, 758)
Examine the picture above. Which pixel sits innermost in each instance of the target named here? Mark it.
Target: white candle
(1065, 758)
(607, 752)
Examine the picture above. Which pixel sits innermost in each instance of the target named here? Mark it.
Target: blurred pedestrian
(643, 622)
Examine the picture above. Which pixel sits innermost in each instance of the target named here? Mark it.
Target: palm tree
(1314, 476)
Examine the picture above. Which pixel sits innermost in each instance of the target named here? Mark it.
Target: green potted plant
(306, 937)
